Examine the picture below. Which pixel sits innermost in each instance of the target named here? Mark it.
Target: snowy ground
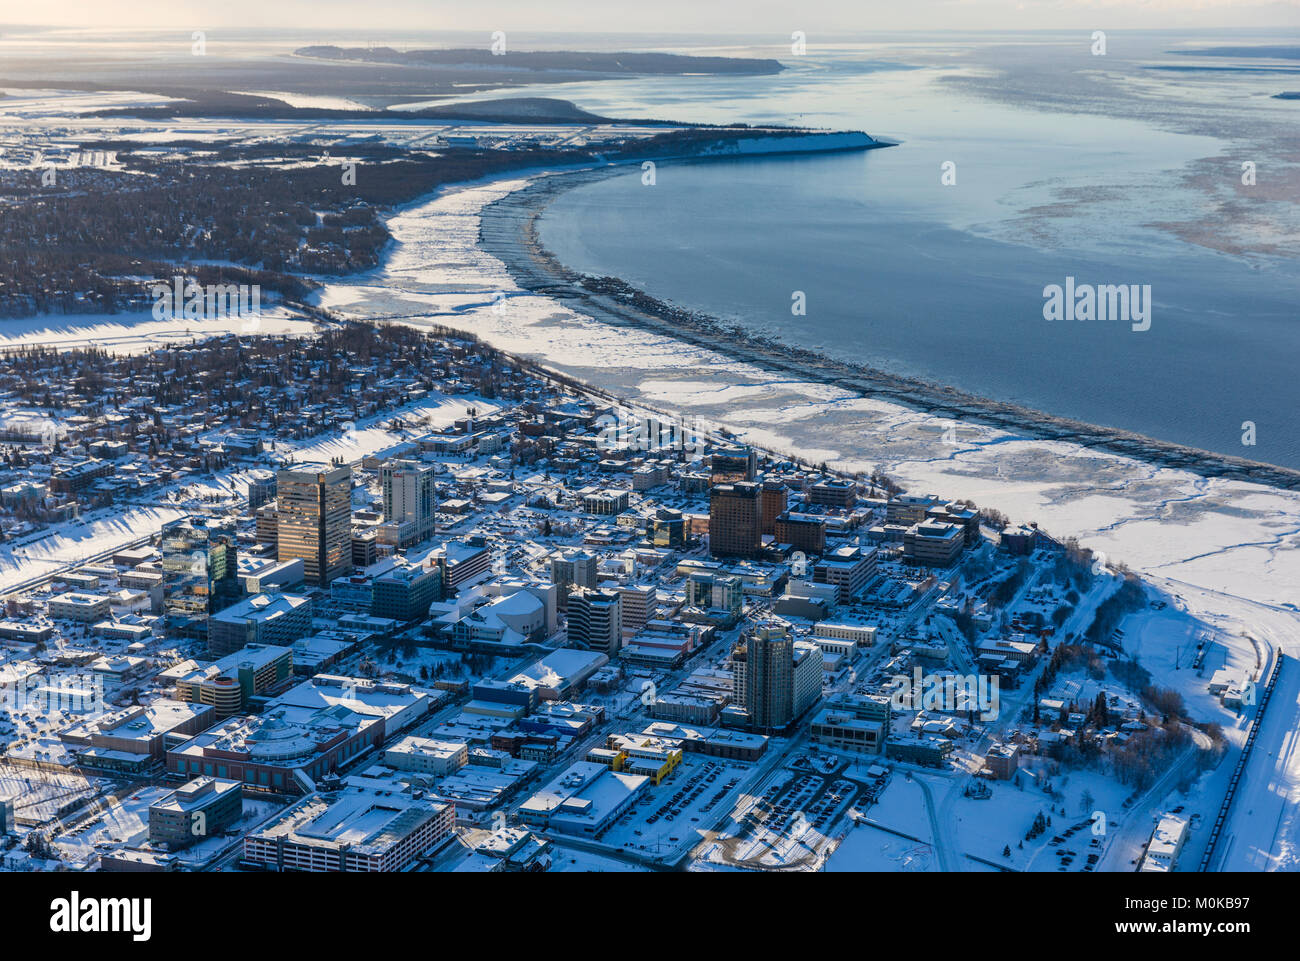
(41, 793)
(436, 411)
(73, 542)
(1263, 830)
(893, 835)
(135, 333)
(572, 859)
(124, 823)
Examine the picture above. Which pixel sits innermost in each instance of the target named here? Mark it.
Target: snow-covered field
(77, 542)
(574, 859)
(435, 411)
(126, 822)
(39, 103)
(136, 333)
(874, 845)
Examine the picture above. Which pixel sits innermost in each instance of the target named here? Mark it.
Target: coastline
(508, 231)
(1229, 546)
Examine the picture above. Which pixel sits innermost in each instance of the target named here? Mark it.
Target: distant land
(618, 63)
(537, 110)
(373, 79)
(273, 225)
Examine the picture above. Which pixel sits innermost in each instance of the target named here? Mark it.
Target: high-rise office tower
(763, 678)
(261, 490)
(775, 678)
(731, 464)
(314, 520)
(734, 520)
(573, 570)
(410, 499)
(774, 501)
(594, 620)
(200, 573)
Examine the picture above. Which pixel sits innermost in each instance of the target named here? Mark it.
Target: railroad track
(1240, 769)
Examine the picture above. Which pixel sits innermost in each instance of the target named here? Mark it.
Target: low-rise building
(369, 825)
(584, 799)
(228, 684)
(934, 543)
(304, 734)
(849, 569)
(1166, 844)
(426, 755)
(202, 808)
(271, 619)
(76, 606)
(1003, 760)
(853, 723)
(133, 740)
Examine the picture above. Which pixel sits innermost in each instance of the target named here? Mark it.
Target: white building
(427, 756)
(1166, 844)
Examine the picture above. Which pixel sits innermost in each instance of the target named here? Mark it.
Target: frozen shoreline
(508, 231)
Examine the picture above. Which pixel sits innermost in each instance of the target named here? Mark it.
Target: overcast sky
(735, 17)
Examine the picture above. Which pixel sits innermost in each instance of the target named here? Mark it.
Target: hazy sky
(746, 17)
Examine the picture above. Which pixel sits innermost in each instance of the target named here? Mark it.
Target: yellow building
(652, 757)
(612, 759)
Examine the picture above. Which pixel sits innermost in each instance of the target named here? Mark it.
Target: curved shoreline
(508, 231)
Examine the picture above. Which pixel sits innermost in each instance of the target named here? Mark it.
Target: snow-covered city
(568, 450)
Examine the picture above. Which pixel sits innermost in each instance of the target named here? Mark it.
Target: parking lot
(675, 812)
(794, 821)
